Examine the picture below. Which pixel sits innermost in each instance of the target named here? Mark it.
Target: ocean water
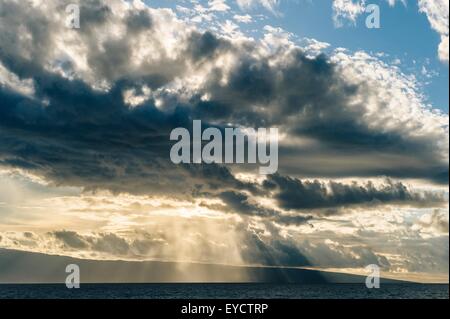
(224, 291)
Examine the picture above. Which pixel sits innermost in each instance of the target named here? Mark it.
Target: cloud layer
(93, 108)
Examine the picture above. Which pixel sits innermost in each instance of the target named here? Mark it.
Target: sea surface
(224, 291)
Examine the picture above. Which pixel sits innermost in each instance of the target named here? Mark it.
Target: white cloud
(350, 10)
(314, 47)
(230, 29)
(393, 102)
(218, 5)
(347, 10)
(268, 4)
(243, 18)
(437, 13)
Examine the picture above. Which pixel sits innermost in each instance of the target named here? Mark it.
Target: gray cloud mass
(93, 108)
(74, 134)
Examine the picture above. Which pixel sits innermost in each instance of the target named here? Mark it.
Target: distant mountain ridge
(28, 267)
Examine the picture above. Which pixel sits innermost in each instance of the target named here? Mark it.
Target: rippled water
(225, 291)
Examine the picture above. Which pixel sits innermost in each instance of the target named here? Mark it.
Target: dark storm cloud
(219, 178)
(108, 243)
(275, 250)
(70, 239)
(326, 255)
(241, 203)
(28, 234)
(73, 133)
(75, 143)
(308, 98)
(139, 21)
(273, 253)
(205, 45)
(293, 193)
(108, 146)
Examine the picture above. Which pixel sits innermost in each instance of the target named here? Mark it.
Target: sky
(86, 115)
(405, 37)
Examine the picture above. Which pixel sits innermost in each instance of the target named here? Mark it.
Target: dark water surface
(225, 291)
